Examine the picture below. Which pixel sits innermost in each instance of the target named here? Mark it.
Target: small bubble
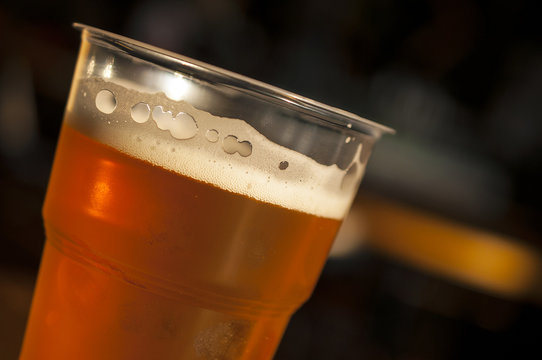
(140, 112)
(84, 93)
(283, 165)
(348, 139)
(212, 135)
(172, 149)
(349, 126)
(106, 101)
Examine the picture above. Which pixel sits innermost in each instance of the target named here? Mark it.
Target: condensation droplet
(212, 135)
(106, 101)
(283, 165)
(140, 112)
(348, 139)
(231, 145)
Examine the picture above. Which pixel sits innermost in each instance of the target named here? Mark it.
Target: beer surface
(225, 152)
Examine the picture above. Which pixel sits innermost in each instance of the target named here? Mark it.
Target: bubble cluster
(226, 152)
(231, 145)
(181, 127)
(224, 340)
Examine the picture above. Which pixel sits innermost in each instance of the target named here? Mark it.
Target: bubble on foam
(182, 127)
(231, 145)
(140, 112)
(211, 135)
(283, 165)
(106, 101)
(306, 186)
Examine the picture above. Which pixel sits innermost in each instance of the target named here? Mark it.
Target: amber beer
(175, 228)
(115, 223)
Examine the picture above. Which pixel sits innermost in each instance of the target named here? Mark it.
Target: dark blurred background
(460, 81)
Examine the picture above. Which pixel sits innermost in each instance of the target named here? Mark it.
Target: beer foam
(225, 152)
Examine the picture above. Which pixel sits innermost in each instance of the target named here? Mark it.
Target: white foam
(253, 166)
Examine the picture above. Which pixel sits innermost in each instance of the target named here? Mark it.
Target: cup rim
(174, 61)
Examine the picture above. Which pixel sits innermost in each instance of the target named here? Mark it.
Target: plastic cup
(190, 210)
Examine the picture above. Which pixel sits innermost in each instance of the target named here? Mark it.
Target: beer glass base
(81, 311)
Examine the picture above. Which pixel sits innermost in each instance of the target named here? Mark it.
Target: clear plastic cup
(190, 210)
